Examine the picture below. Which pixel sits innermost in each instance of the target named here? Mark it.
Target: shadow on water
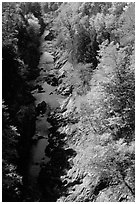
(49, 180)
(46, 160)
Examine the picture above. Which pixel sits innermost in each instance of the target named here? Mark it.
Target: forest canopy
(94, 66)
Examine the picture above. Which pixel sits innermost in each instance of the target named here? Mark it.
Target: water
(37, 155)
(38, 158)
(37, 152)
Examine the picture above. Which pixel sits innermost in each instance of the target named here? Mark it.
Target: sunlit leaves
(34, 27)
(10, 17)
(104, 134)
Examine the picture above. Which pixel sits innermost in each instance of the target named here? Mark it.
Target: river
(37, 155)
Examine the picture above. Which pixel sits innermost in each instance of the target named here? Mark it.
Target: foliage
(74, 36)
(125, 27)
(17, 30)
(111, 101)
(10, 17)
(28, 39)
(22, 30)
(103, 127)
(11, 73)
(95, 63)
(11, 181)
(31, 7)
(34, 8)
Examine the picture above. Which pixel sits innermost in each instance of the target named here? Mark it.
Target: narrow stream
(37, 156)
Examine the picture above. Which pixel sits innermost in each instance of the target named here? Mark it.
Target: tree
(28, 39)
(11, 180)
(113, 84)
(125, 29)
(103, 133)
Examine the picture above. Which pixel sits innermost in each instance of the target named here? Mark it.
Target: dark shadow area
(50, 183)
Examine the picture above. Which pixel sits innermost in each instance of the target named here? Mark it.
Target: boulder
(41, 108)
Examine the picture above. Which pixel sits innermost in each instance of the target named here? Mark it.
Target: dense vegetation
(20, 58)
(94, 67)
(98, 41)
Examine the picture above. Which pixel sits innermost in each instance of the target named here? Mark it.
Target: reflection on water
(38, 157)
(53, 100)
(48, 94)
